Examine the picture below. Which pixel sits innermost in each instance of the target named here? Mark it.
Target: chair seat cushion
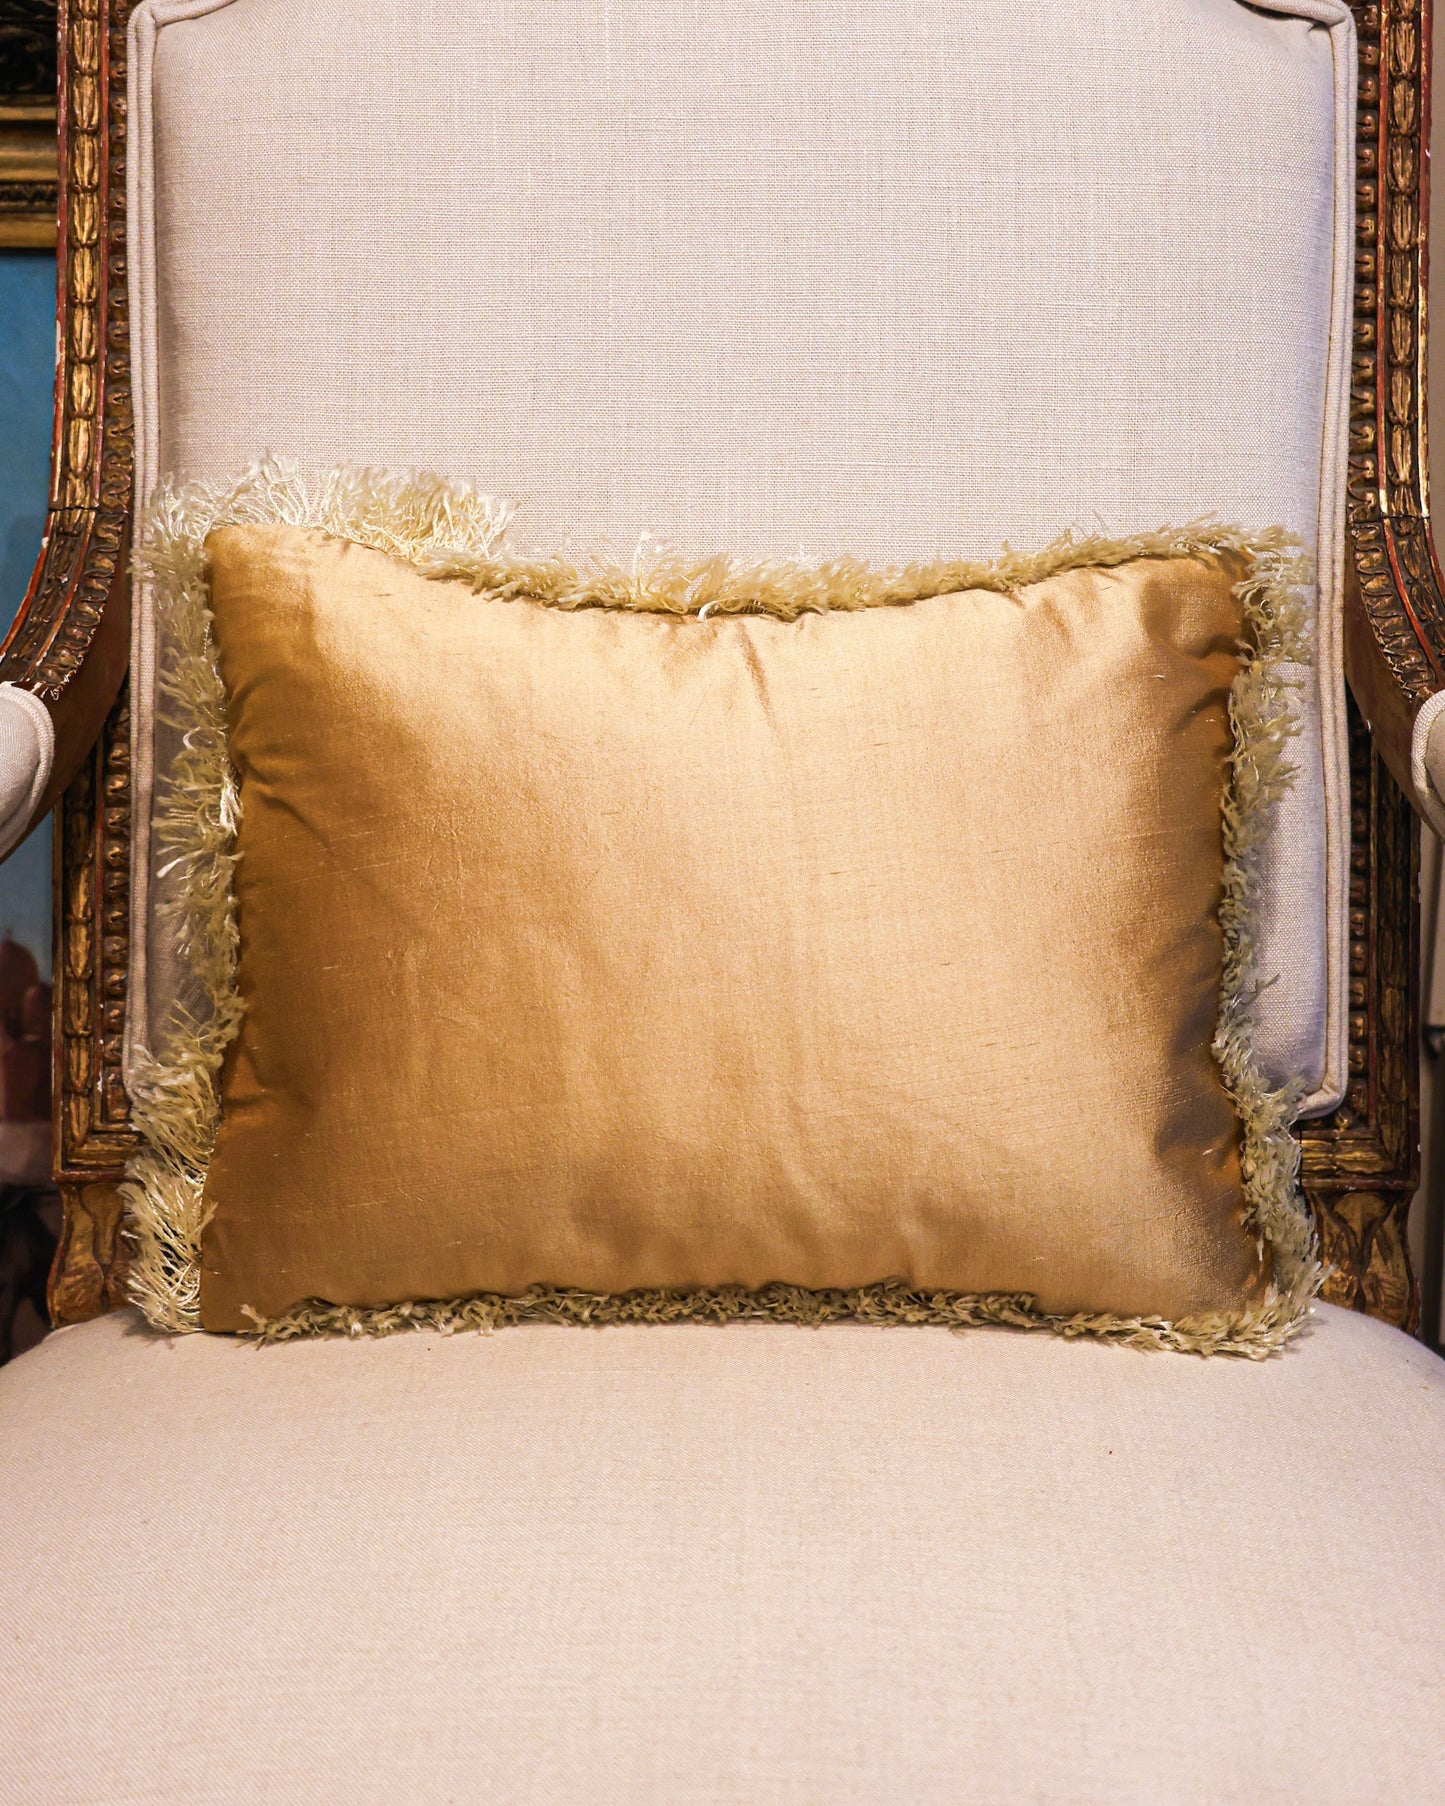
(752, 1564)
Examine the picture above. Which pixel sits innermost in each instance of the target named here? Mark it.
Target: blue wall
(27, 373)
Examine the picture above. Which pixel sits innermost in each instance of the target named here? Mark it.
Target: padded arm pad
(27, 752)
(1427, 761)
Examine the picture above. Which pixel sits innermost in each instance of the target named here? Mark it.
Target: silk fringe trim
(451, 532)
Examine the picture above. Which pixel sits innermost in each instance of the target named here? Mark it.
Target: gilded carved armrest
(65, 656)
(1395, 597)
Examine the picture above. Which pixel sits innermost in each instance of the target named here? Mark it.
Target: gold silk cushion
(792, 942)
(610, 951)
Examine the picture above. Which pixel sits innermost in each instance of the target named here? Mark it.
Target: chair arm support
(69, 644)
(1395, 649)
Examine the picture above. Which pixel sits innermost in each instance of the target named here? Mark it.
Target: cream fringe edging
(451, 532)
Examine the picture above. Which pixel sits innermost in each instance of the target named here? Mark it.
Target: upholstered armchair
(861, 277)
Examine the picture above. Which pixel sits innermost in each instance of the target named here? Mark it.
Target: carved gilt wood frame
(69, 645)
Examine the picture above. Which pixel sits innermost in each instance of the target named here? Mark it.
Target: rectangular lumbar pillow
(659, 940)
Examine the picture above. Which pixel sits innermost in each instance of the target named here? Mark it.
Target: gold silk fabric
(611, 950)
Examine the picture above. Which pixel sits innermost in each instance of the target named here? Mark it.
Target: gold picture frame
(29, 165)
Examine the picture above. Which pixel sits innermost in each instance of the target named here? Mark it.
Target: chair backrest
(852, 277)
(862, 276)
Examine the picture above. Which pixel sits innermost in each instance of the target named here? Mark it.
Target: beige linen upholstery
(758, 1564)
(882, 278)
